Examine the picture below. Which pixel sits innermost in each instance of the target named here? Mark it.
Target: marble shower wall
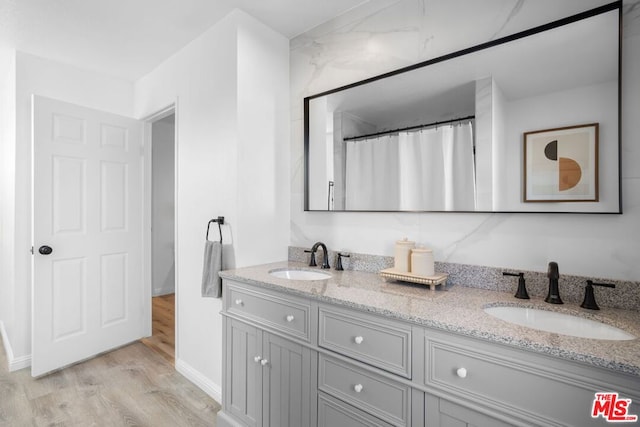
(383, 35)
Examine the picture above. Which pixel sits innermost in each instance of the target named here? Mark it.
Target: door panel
(69, 284)
(88, 294)
(113, 287)
(114, 196)
(69, 201)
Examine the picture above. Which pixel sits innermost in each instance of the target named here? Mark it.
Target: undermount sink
(559, 323)
(299, 274)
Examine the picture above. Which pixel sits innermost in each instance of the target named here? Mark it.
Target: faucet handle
(312, 259)
(521, 293)
(589, 301)
(339, 257)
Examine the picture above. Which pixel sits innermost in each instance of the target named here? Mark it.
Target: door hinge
(31, 250)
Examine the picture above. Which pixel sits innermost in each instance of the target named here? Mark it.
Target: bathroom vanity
(355, 350)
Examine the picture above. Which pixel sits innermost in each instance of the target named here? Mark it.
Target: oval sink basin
(300, 274)
(559, 323)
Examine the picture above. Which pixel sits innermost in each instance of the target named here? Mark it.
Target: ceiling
(128, 39)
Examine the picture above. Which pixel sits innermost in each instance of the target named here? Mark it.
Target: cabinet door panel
(286, 383)
(243, 372)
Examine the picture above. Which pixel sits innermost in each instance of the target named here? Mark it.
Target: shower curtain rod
(387, 132)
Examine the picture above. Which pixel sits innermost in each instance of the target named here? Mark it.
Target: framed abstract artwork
(561, 165)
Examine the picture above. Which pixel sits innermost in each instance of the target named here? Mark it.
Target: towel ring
(219, 220)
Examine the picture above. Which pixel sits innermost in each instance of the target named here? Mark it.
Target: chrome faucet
(553, 297)
(325, 260)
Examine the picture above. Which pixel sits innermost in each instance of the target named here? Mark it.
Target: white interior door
(88, 293)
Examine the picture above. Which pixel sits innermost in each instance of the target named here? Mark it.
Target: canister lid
(421, 249)
(405, 241)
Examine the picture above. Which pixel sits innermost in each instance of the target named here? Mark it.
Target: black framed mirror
(448, 134)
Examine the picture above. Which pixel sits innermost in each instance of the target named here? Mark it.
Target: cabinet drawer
(333, 412)
(286, 315)
(532, 392)
(376, 395)
(441, 412)
(384, 344)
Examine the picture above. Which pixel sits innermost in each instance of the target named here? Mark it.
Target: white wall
(163, 206)
(7, 193)
(382, 36)
(35, 75)
(231, 86)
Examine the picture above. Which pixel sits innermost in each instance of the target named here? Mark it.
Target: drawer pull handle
(290, 318)
(239, 302)
(357, 388)
(358, 339)
(264, 362)
(257, 359)
(462, 372)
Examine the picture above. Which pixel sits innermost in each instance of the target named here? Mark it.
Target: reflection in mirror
(447, 134)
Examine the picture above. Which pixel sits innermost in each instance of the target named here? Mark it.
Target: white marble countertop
(458, 309)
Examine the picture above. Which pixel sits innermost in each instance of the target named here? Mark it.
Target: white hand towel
(211, 282)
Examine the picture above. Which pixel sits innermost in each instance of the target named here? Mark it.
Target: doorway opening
(162, 250)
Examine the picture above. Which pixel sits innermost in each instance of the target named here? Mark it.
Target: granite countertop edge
(507, 334)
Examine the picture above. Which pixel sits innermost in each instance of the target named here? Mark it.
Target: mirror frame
(482, 46)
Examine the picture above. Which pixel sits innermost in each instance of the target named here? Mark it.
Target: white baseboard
(14, 364)
(212, 389)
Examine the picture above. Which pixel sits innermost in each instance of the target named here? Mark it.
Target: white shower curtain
(438, 169)
(372, 179)
(430, 169)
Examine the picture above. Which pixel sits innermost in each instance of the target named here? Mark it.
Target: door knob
(45, 250)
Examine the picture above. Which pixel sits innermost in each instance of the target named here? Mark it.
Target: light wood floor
(131, 386)
(136, 385)
(163, 327)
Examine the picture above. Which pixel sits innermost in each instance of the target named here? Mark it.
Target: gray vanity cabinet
(294, 361)
(269, 375)
(268, 378)
(510, 384)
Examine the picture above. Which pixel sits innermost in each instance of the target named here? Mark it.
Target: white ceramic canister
(422, 263)
(402, 261)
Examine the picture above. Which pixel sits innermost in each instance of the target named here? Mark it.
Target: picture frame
(561, 164)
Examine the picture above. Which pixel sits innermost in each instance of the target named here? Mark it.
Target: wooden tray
(431, 281)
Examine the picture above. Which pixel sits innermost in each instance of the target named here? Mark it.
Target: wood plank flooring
(163, 327)
(131, 386)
